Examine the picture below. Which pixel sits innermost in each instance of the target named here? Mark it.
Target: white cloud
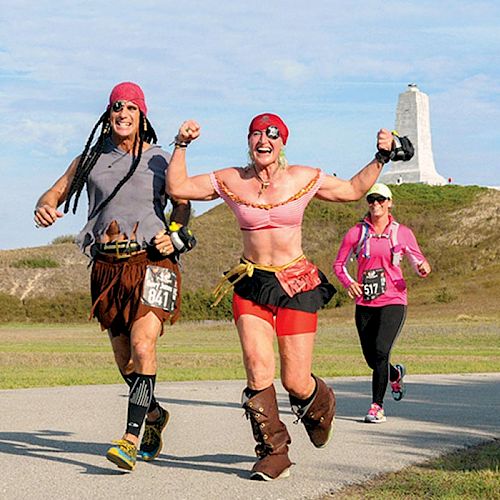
(290, 71)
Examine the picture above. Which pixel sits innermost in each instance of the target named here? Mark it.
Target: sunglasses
(271, 132)
(372, 198)
(119, 105)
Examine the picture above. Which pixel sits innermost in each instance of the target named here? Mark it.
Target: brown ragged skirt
(116, 287)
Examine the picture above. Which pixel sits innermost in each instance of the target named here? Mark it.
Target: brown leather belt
(119, 249)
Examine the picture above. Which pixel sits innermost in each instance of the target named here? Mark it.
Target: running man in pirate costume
(135, 281)
(379, 244)
(277, 291)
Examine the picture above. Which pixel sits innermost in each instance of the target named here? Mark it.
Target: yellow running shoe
(123, 454)
(152, 442)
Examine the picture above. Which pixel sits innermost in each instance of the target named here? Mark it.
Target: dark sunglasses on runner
(119, 105)
(372, 198)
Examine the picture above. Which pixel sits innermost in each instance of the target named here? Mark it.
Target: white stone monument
(413, 120)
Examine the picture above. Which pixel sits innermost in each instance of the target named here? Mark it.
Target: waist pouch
(300, 277)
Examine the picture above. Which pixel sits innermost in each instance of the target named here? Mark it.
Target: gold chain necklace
(263, 184)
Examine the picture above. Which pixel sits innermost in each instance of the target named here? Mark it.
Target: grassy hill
(458, 228)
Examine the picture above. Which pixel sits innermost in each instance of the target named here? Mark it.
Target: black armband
(181, 144)
(383, 156)
(402, 150)
(182, 237)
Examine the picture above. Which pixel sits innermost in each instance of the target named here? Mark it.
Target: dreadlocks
(91, 154)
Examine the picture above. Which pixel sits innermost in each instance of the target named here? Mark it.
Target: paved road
(53, 441)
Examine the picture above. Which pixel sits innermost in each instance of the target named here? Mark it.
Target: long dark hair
(91, 154)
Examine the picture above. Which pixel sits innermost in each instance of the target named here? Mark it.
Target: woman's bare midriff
(272, 247)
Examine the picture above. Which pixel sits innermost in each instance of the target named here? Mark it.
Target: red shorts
(284, 320)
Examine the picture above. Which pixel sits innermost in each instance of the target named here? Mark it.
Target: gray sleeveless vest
(141, 201)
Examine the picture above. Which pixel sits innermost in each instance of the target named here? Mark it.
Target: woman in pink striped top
(277, 291)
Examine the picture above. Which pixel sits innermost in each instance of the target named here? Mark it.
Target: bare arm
(179, 184)
(334, 189)
(46, 212)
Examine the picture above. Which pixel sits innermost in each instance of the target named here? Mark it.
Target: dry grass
(458, 229)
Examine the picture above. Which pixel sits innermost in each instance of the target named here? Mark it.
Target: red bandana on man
(129, 91)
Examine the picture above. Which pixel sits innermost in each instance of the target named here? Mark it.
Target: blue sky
(333, 70)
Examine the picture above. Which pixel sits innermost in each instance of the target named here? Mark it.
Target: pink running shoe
(375, 414)
(398, 387)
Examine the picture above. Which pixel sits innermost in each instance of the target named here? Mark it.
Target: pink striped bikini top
(254, 216)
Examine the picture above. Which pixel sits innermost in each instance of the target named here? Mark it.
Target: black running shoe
(152, 441)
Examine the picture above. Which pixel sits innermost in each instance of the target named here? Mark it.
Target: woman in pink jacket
(379, 243)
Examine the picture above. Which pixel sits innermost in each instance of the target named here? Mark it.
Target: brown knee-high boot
(318, 415)
(271, 435)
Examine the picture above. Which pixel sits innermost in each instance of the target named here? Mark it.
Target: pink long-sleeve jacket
(383, 251)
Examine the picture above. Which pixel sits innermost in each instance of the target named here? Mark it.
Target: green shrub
(11, 309)
(35, 263)
(196, 306)
(75, 308)
(449, 197)
(444, 296)
(65, 238)
(339, 299)
(67, 308)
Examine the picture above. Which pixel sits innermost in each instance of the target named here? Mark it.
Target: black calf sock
(250, 393)
(393, 374)
(130, 379)
(139, 401)
(302, 403)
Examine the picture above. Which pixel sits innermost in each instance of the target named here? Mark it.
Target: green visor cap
(380, 189)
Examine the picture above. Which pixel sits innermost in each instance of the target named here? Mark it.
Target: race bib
(373, 284)
(160, 288)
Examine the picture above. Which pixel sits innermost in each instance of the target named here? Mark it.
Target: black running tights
(378, 329)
